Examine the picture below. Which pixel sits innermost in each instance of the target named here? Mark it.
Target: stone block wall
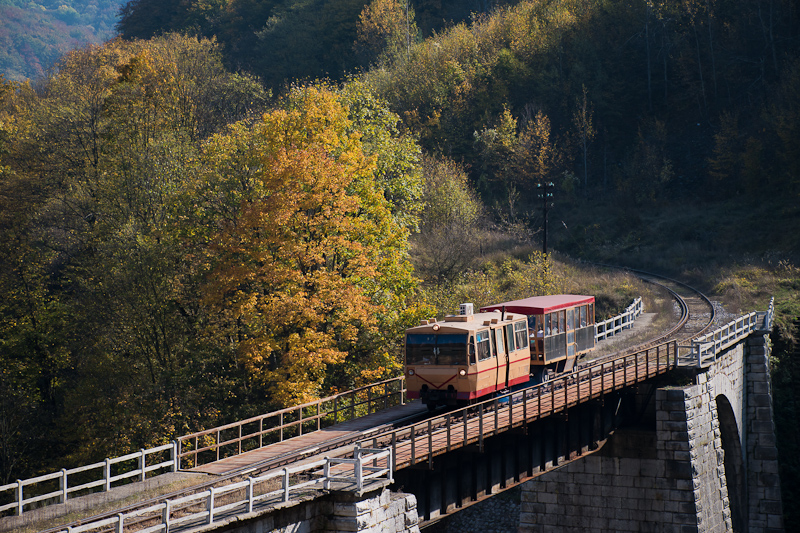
(387, 512)
(379, 511)
(763, 484)
(700, 461)
(674, 479)
(631, 484)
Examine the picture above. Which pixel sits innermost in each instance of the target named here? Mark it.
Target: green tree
(386, 27)
(450, 232)
(99, 159)
(582, 121)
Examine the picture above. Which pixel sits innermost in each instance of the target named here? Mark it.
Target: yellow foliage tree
(296, 262)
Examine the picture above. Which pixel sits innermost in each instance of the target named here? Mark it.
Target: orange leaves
(295, 259)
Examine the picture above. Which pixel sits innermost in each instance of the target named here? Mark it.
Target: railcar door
(502, 359)
(570, 333)
(510, 347)
(487, 363)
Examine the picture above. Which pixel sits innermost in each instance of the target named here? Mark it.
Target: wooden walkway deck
(324, 438)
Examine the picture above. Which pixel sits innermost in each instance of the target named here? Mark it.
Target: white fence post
(165, 516)
(120, 520)
(19, 497)
(211, 505)
(107, 474)
(359, 471)
(63, 485)
(250, 493)
(390, 465)
(142, 464)
(176, 460)
(326, 477)
(286, 484)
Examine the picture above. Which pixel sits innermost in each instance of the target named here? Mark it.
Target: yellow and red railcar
(468, 356)
(465, 357)
(561, 326)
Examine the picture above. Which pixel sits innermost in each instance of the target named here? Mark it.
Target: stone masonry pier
(702, 459)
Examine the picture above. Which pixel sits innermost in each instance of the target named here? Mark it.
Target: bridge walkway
(159, 486)
(314, 443)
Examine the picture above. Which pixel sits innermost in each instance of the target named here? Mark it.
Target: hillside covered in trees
(34, 35)
(240, 205)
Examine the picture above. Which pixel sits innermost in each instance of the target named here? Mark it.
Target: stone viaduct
(690, 449)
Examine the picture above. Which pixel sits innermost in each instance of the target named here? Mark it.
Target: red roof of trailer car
(538, 305)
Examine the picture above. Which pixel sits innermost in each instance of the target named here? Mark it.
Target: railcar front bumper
(439, 397)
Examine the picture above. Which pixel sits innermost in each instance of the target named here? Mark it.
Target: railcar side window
(510, 337)
(583, 316)
(484, 350)
(547, 325)
(591, 313)
(521, 335)
(570, 321)
(436, 349)
(471, 348)
(561, 324)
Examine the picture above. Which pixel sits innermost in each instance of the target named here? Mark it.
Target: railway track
(697, 311)
(695, 315)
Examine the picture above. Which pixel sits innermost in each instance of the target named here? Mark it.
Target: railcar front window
(436, 349)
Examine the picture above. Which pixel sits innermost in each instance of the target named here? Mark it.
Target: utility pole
(546, 195)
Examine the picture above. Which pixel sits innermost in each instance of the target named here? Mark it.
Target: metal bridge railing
(470, 425)
(253, 433)
(705, 349)
(612, 326)
(204, 446)
(58, 486)
(199, 510)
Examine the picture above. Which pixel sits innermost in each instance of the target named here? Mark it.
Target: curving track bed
(697, 311)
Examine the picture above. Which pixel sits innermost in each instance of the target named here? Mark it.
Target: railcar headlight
(462, 372)
(410, 371)
(436, 327)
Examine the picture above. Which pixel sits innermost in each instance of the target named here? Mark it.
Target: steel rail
(685, 312)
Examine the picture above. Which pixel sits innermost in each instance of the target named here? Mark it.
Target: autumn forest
(240, 205)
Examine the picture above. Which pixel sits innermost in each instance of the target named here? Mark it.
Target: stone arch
(733, 461)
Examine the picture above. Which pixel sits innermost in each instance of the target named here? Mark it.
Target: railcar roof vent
(465, 309)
